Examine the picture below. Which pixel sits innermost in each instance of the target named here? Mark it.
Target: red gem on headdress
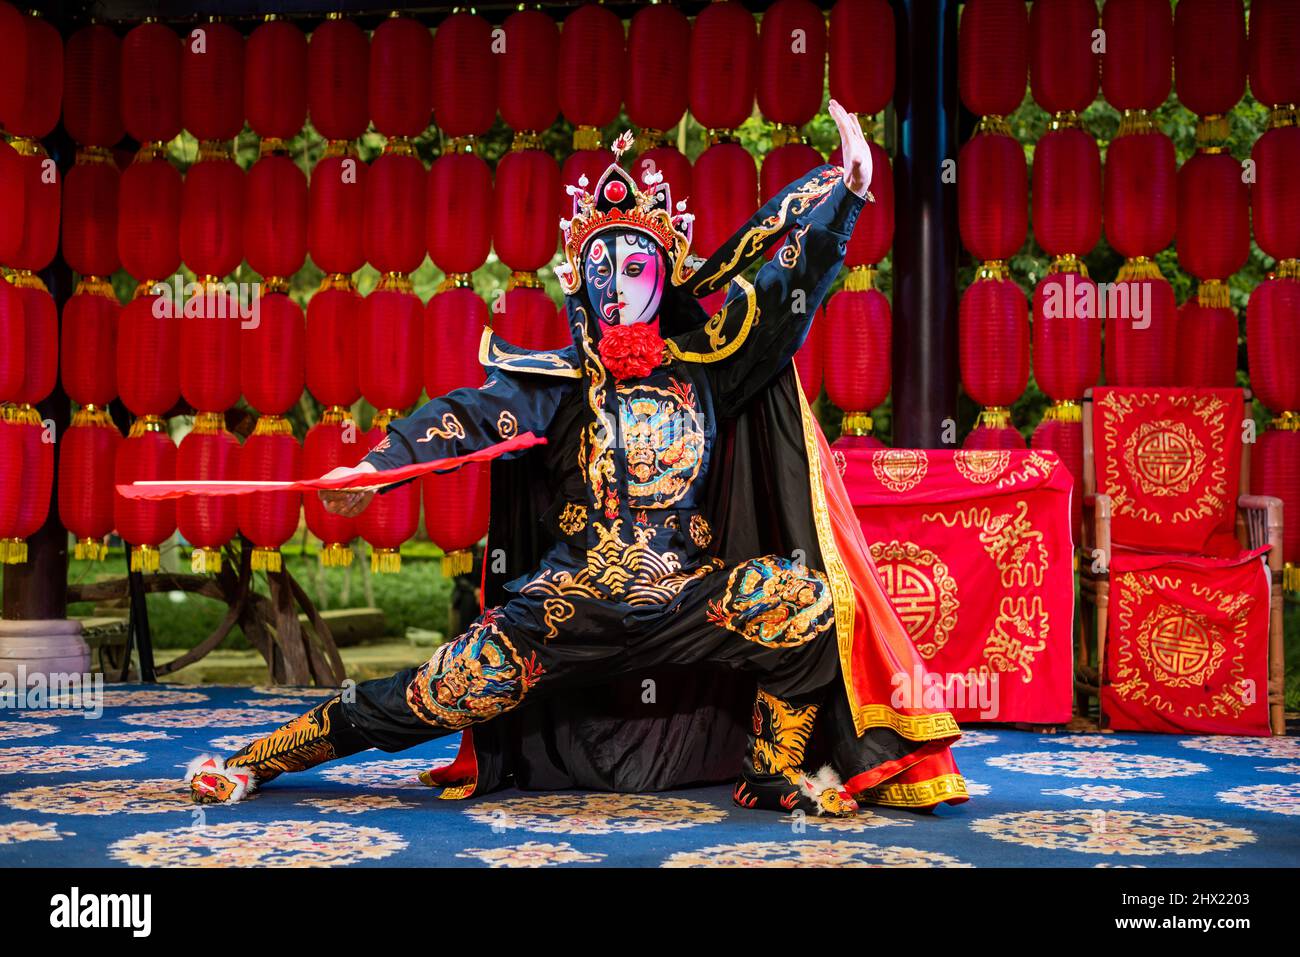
(615, 191)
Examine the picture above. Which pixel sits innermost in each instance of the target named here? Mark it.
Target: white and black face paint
(625, 272)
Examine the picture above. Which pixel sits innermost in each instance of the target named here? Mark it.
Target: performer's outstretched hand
(857, 153)
(347, 502)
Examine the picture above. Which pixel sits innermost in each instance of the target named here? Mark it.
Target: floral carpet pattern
(106, 792)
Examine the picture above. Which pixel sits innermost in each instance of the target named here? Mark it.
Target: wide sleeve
(468, 420)
(772, 315)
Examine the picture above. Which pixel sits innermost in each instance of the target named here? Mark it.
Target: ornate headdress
(618, 204)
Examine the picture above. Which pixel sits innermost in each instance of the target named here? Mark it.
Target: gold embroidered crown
(618, 204)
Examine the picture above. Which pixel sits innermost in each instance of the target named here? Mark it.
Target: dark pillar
(925, 232)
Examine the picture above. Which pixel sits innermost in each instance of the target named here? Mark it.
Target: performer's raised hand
(856, 152)
(345, 501)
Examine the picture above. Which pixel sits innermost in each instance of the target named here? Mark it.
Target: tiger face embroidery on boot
(775, 602)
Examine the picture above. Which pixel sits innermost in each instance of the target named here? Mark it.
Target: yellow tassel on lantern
(1287, 269)
(586, 138)
(145, 558)
(995, 417)
(385, 561)
(525, 140)
(468, 144)
(523, 280)
(266, 560)
(1067, 262)
(783, 134)
(205, 561)
(1213, 294)
(460, 562)
(91, 549)
(13, 551)
(395, 282)
(1064, 410)
(995, 270)
(856, 423)
(860, 279)
(147, 423)
(1291, 578)
(273, 425)
(456, 280)
(335, 555)
(1139, 267)
(1212, 132)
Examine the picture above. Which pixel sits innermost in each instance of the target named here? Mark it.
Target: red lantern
(41, 339)
(13, 333)
(1275, 470)
(87, 456)
(11, 461)
(464, 76)
(1273, 344)
(453, 325)
(394, 224)
(994, 434)
(791, 71)
(528, 71)
(1274, 39)
(993, 329)
(148, 217)
(1067, 191)
(727, 187)
(809, 361)
(592, 45)
(331, 443)
(32, 483)
(336, 212)
(338, 75)
(271, 353)
(1138, 66)
(874, 232)
(212, 82)
(1063, 74)
(13, 201)
(401, 95)
(390, 347)
(213, 214)
(41, 207)
(13, 69)
(992, 56)
(857, 341)
(525, 316)
(92, 86)
(526, 213)
(151, 83)
(1275, 198)
(669, 161)
(210, 360)
(1067, 335)
(1208, 336)
(207, 522)
(459, 220)
(457, 507)
(147, 454)
(275, 80)
(1213, 216)
(391, 518)
(36, 112)
(90, 213)
(275, 229)
(1140, 191)
(269, 519)
(148, 354)
(89, 343)
(993, 196)
(1061, 431)
(724, 65)
(785, 164)
(1141, 333)
(333, 320)
(658, 67)
(862, 55)
(1209, 54)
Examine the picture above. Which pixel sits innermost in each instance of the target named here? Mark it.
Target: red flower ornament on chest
(631, 352)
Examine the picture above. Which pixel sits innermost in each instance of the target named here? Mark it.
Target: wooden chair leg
(1103, 606)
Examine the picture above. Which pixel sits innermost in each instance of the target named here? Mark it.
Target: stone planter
(43, 647)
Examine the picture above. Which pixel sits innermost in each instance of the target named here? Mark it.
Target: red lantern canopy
(792, 63)
(336, 211)
(783, 165)
(727, 182)
(724, 65)
(993, 432)
(459, 220)
(1275, 198)
(1273, 343)
(275, 229)
(87, 456)
(669, 161)
(857, 341)
(401, 95)
(1275, 470)
(41, 206)
(149, 216)
(148, 354)
(525, 316)
(874, 232)
(92, 86)
(394, 224)
(207, 522)
(526, 212)
(1063, 74)
(41, 339)
(271, 354)
(1210, 55)
(1066, 336)
(275, 80)
(862, 55)
(212, 82)
(1061, 431)
(1141, 333)
(331, 443)
(13, 68)
(213, 214)
(453, 325)
(32, 483)
(992, 195)
(11, 460)
(1138, 66)
(528, 71)
(1208, 336)
(993, 328)
(269, 519)
(592, 45)
(1067, 191)
(1213, 229)
(1274, 39)
(13, 201)
(1140, 191)
(992, 56)
(90, 213)
(658, 69)
(13, 333)
(391, 518)
(464, 76)
(333, 320)
(35, 112)
(457, 530)
(390, 347)
(151, 83)
(89, 343)
(809, 361)
(147, 454)
(338, 76)
(210, 361)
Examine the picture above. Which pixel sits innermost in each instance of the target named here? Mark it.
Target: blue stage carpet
(106, 792)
